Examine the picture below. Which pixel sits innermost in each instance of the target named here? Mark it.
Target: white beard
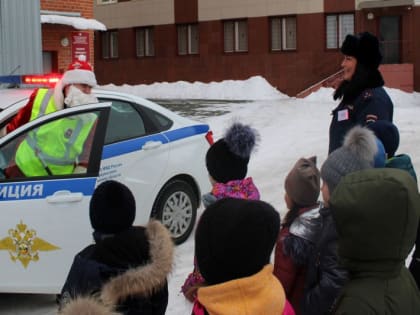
(76, 97)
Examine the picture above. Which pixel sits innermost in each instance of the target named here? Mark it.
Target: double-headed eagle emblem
(24, 245)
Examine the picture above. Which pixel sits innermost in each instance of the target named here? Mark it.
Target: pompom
(241, 139)
(361, 142)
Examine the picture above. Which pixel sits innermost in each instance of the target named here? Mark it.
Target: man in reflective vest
(62, 146)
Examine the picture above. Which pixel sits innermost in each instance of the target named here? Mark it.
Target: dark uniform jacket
(363, 100)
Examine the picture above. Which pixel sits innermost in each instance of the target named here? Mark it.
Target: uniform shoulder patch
(367, 94)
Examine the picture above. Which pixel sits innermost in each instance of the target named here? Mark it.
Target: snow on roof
(77, 22)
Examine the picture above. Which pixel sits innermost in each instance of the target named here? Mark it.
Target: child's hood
(376, 214)
(146, 279)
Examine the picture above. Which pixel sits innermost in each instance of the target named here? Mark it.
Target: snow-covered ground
(290, 128)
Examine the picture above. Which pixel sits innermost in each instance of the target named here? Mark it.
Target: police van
(44, 222)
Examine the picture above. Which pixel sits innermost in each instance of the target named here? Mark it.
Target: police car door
(45, 213)
(135, 153)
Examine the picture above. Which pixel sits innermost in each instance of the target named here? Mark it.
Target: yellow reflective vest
(53, 148)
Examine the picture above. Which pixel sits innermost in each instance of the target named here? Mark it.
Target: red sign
(80, 46)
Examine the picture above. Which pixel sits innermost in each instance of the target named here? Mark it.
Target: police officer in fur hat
(363, 98)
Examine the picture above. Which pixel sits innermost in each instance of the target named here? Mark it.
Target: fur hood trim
(86, 305)
(299, 249)
(147, 279)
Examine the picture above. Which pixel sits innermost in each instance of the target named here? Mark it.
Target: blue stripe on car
(128, 146)
(185, 132)
(132, 145)
(43, 188)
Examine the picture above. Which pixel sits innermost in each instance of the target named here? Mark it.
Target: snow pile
(255, 88)
(323, 94)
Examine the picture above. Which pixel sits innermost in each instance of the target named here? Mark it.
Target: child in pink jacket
(227, 165)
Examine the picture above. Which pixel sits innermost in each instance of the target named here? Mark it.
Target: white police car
(44, 221)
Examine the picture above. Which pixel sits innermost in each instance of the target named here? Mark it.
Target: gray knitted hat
(357, 153)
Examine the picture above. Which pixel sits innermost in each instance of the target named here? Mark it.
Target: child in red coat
(299, 229)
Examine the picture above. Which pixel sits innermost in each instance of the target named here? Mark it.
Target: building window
(283, 33)
(110, 44)
(144, 42)
(235, 36)
(338, 26)
(187, 39)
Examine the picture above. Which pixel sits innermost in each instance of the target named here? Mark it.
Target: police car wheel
(176, 207)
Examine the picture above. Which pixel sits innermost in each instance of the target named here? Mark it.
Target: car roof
(9, 97)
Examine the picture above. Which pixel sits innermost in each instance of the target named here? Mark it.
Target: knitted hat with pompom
(227, 159)
(357, 153)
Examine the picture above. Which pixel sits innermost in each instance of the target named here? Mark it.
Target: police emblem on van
(24, 245)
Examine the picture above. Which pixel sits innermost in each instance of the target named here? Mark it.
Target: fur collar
(86, 305)
(144, 280)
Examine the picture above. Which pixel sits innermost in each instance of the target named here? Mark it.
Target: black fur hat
(235, 238)
(227, 159)
(112, 208)
(364, 47)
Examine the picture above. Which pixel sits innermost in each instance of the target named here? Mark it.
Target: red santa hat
(80, 72)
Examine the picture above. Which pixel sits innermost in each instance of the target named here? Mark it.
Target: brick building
(67, 31)
(293, 44)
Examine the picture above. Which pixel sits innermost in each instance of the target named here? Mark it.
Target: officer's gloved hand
(80, 170)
